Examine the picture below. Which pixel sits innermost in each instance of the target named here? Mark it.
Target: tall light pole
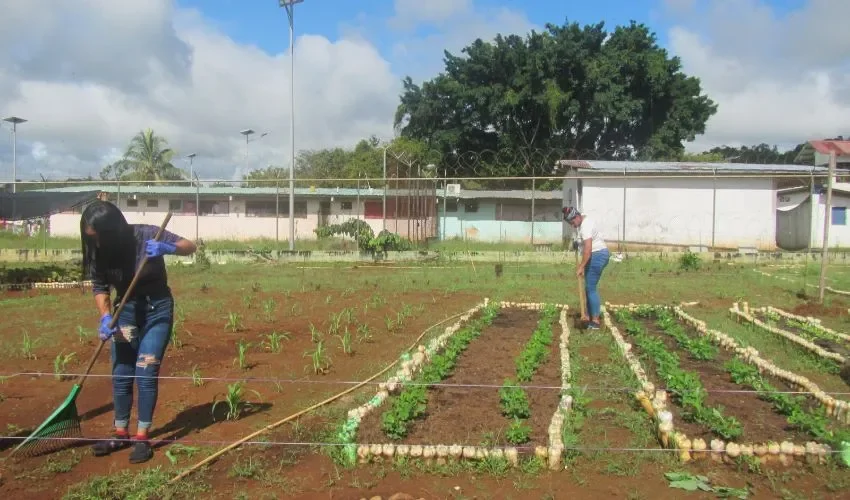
(191, 157)
(14, 120)
(289, 5)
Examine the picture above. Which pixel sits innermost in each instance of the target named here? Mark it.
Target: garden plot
(829, 349)
(710, 392)
(520, 347)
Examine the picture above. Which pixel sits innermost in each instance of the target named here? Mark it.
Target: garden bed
(683, 356)
(826, 348)
(502, 369)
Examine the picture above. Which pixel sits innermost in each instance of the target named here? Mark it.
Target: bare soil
(472, 415)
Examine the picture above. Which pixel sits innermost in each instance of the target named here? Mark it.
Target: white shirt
(588, 230)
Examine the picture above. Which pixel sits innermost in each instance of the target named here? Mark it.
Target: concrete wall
(488, 222)
(235, 224)
(839, 235)
(678, 211)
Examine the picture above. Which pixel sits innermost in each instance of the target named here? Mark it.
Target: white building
(714, 205)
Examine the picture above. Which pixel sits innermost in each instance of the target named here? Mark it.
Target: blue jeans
(592, 273)
(137, 351)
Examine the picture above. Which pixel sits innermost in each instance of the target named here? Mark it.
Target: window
(262, 208)
(470, 206)
(839, 216)
(345, 205)
(152, 203)
(214, 208)
(175, 205)
(515, 211)
(132, 203)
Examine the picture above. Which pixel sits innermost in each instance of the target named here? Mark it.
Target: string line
(404, 384)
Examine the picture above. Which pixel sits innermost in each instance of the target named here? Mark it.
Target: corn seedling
(248, 301)
(59, 364)
(348, 312)
(345, 340)
(269, 307)
(242, 354)
(256, 287)
(319, 358)
(27, 347)
(333, 327)
(364, 334)
(175, 339)
(197, 381)
(178, 449)
(328, 299)
(295, 309)
(81, 334)
(274, 341)
(234, 400)
(233, 322)
(315, 334)
(389, 323)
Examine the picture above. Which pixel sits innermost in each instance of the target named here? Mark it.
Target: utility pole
(289, 5)
(14, 120)
(827, 221)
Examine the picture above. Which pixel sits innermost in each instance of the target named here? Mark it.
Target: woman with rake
(112, 252)
(594, 258)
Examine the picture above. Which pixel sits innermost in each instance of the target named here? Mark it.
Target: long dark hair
(115, 248)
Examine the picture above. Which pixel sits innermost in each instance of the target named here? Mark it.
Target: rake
(64, 423)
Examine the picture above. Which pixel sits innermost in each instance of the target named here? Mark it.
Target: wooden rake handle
(580, 286)
(123, 302)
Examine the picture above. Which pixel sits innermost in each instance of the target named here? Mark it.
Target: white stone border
(743, 313)
(46, 285)
(784, 452)
(553, 454)
(811, 321)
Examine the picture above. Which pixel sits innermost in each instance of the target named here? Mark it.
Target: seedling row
(442, 403)
(727, 402)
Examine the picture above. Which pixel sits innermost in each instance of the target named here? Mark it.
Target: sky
(90, 74)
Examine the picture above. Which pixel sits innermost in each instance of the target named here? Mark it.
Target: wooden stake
(827, 220)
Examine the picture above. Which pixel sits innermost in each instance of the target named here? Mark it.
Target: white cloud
(89, 77)
(460, 23)
(777, 78)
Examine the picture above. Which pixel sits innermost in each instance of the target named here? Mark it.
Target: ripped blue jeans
(144, 331)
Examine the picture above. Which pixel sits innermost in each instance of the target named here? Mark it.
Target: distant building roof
(824, 147)
(301, 192)
(684, 167)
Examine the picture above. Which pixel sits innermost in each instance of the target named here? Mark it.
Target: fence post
(827, 220)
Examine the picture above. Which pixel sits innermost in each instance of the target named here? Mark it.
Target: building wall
(794, 220)
(839, 233)
(508, 221)
(678, 211)
(235, 224)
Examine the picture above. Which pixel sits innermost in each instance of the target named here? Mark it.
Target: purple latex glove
(159, 248)
(104, 332)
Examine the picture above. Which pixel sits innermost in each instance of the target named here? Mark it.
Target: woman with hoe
(594, 258)
(112, 251)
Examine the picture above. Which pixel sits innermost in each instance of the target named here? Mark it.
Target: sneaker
(592, 325)
(142, 451)
(118, 441)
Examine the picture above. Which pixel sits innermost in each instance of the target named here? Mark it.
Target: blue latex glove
(159, 248)
(104, 332)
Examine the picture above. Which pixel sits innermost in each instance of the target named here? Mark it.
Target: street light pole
(191, 157)
(289, 5)
(14, 120)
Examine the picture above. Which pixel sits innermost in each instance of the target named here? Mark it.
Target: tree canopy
(614, 94)
(147, 158)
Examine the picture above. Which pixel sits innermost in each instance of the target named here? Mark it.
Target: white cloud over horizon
(90, 77)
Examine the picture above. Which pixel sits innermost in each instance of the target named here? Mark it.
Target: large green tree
(565, 90)
(147, 158)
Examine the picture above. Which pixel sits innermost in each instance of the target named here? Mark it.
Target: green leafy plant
(197, 380)
(364, 334)
(234, 323)
(60, 363)
(274, 341)
(28, 346)
(319, 358)
(315, 334)
(514, 401)
(518, 432)
(234, 399)
(269, 306)
(345, 340)
(242, 354)
(689, 261)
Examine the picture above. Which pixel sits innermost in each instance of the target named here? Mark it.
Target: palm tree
(148, 158)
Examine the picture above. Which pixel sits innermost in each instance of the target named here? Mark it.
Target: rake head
(56, 432)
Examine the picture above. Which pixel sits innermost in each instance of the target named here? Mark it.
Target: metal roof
(605, 166)
(300, 192)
